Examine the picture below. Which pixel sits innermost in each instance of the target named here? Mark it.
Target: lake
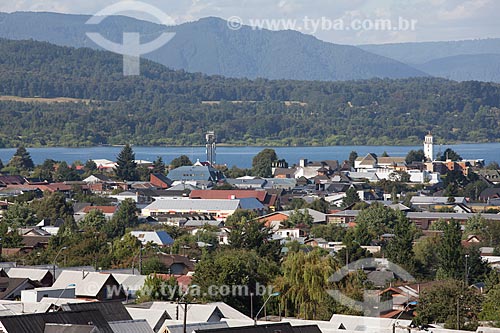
(242, 156)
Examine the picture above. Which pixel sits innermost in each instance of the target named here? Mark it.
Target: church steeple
(429, 147)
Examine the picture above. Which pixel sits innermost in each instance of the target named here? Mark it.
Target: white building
(429, 147)
(36, 295)
(219, 209)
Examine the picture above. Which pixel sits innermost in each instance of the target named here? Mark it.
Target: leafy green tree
(153, 265)
(415, 156)
(240, 216)
(46, 170)
(143, 173)
(351, 252)
(491, 307)
(352, 157)
(125, 249)
(10, 239)
(53, 206)
(330, 232)
(125, 217)
(477, 268)
(90, 167)
(304, 281)
(19, 215)
(158, 166)
(21, 160)
(475, 225)
(450, 252)
(93, 221)
(262, 163)
(373, 222)
(439, 304)
(439, 225)
(65, 173)
(158, 289)
(182, 160)
(320, 205)
(298, 218)
(296, 203)
(351, 197)
(400, 248)
(126, 168)
(254, 235)
(426, 255)
(234, 267)
(449, 154)
(474, 189)
(235, 172)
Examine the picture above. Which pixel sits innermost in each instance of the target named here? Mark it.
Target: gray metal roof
(158, 237)
(30, 273)
(111, 311)
(194, 172)
(416, 200)
(447, 216)
(155, 318)
(170, 204)
(346, 213)
(131, 326)
(35, 323)
(87, 283)
(179, 328)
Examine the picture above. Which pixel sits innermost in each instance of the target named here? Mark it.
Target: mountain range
(208, 46)
(456, 60)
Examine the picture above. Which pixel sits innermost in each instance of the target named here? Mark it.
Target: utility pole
(251, 305)
(466, 271)
(184, 326)
(140, 260)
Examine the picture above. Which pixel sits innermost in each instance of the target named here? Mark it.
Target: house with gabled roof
(160, 181)
(263, 196)
(196, 173)
(157, 237)
(42, 276)
(367, 162)
(10, 288)
(91, 285)
(60, 321)
(276, 219)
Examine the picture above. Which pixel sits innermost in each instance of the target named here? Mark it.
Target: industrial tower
(211, 145)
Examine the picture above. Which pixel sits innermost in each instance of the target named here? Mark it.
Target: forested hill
(170, 107)
(209, 46)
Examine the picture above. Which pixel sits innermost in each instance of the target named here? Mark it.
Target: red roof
(104, 209)
(182, 280)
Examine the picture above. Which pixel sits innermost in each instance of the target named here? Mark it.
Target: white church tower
(429, 147)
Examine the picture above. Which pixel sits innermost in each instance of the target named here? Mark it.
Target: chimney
(303, 162)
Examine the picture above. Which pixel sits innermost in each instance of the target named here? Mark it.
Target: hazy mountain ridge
(482, 67)
(209, 47)
(457, 60)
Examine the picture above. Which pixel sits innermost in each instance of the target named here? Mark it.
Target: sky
(340, 21)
